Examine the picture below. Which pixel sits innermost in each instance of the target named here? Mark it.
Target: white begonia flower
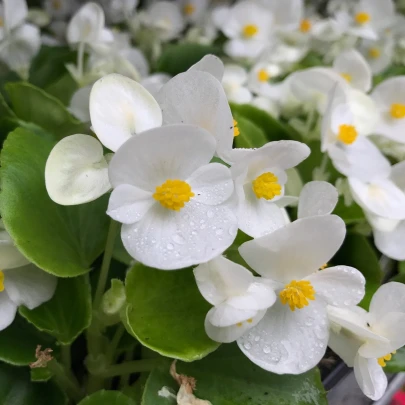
(166, 19)
(379, 54)
(21, 283)
(344, 129)
(260, 178)
(234, 82)
(19, 42)
(210, 64)
(390, 100)
(260, 76)
(368, 18)
(193, 10)
(293, 335)
(79, 104)
(353, 67)
(117, 11)
(327, 30)
(248, 27)
(121, 108)
(59, 9)
(366, 340)
(196, 97)
(240, 300)
(266, 104)
(175, 206)
(87, 26)
(155, 82)
(76, 171)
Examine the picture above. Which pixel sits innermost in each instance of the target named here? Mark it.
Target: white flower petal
(391, 243)
(170, 240)
(7, 310)
(398, 175)
(221, 278)
(170, 152)
(79, 104)
(296, 250)
(76, 171)
(370, 377)
(339, 286)
(390, 297)
(10, 256)
(317, 198)
(128, 204)
(29, 286)
(224, 315)
(344, 345)
(15, 13)
(120, 108)
(287, 342)
(210, 64)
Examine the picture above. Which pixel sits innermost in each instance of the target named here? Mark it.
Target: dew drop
(210, 213)
(170, 246)
(179, 239)
(247, 346)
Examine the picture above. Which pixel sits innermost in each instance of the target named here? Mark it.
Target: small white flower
(234, 82)
(175, 206)
(260, 76)
(193, 10)
(260, 178)
(21, 283)
(366, 340)
(266, 104)
(379, 54)
(292, 336)
(240, 300)
(59, 9)
(117, 11)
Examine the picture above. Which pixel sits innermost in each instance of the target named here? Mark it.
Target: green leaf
(232, 253)
(63, 241)
(63, 89)
(397, 363)
(16, 388)
(228, 377)
(107, 398)
(135, 391)
(401, 267)
(273, 129)
(358, 253)
(250, 135)
(179, 58)
(166, 312)
(41, 374)
(19, 341)
(67, 314)
(350, 214)
(31, 104)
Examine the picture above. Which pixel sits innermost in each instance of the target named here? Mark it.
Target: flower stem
(80, 60)
(119, 333)
(66, 380)
(130, 367)
(66, 356)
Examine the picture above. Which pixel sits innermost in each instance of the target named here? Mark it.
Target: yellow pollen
(173, 194)
(57, 4)
(362, 18)
(189, 9)
(250, 30)
(374, 53)
(397, 110)
(262, 75)
(347, 77)
(297, 293)
(1, 281)
(266, 186)
(388, 357)
(236, 131)
(347, 134)
(240, 324)
(305, 25)
(250, 320)
(324, 266)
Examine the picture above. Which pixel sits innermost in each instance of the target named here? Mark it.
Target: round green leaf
(60, 240)
(166, 312)
(107, 398)
(16, 388)
(67, 314)
(228, 377)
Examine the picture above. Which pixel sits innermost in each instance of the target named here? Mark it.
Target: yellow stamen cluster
(250, 30)
(262, 75)
(266, 186)
(56, 4)
(173, 194)
(189, 9)
(305, 25)
(240, 324)
(374, 53)
(324, 266)
(1, 281)
(347, 134)
(362, 18)
(397, 110)
(347, 77)
(387, 357)
(297, 293)
(236, 131)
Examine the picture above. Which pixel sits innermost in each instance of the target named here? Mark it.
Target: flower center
(347, 77)
(297, 293)
(305, 25)
(173, 194)
(1, 281)
(397, 110)
(240, 324)
(347, 134)
(250, 30)
(189, 9)
(387, 357)
(262, 75)
(236, 131)
(56, 4)
(266, 186)
(362, 18)
(324, 266)
(374, 53)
